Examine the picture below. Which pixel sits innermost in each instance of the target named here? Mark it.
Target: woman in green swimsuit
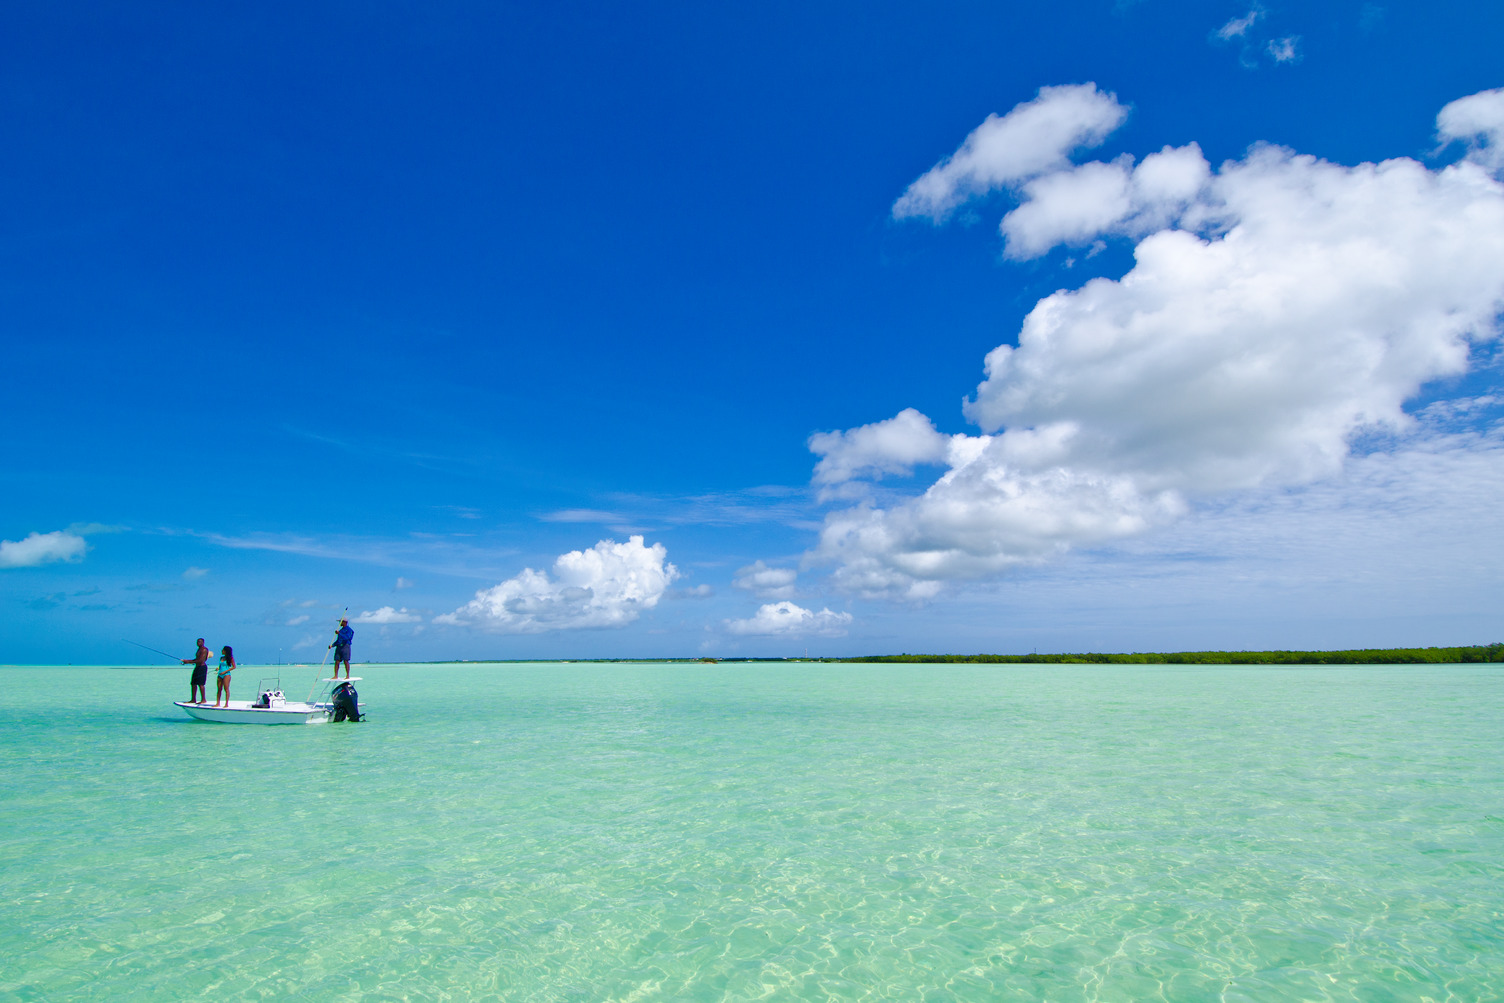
(226, 666)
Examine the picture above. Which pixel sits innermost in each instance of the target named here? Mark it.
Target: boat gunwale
(292, 712)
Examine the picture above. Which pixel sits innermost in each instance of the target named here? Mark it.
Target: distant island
(1360, 656)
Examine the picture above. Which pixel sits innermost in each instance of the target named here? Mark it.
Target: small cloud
(1462, 409)
(1238, 26)
(698, 592)
(95, 529)
(55, 599)
(297, 620)
(1478, 121)
(463, 511)
(787, 619)
(581, 515)
(403, 583)
(1036, 137)
(386, 615)
(1283, 50)
(893, 446)
(194, 574)
(1254, 44)
(766, 582)
(42, 548)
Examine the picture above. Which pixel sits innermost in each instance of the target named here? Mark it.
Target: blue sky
(582, 330)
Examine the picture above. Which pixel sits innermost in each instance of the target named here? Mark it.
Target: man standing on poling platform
(341, 646)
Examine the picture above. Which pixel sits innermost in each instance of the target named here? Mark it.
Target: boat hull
(241, 712)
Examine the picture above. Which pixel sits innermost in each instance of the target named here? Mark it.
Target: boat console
(270, 699)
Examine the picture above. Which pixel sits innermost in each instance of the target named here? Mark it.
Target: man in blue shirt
(341, 646)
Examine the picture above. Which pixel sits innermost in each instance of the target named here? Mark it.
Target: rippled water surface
(786, 831)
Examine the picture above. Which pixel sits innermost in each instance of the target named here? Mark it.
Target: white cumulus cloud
(608, 585)
(785, 618)
(42, 548)
(1076, 205)
(387, 615)
(892, 446)
(1035, 137)
(1477, 120)
(1277, 308)
(1068, 206)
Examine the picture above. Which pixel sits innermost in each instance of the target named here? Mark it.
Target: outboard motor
(346, 703)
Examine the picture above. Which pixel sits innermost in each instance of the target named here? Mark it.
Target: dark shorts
(200, 675)
(341, 652)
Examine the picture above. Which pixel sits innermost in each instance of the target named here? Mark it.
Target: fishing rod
(148, 647)
(320, 677)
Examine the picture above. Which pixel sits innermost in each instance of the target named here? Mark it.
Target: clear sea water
(786, 831)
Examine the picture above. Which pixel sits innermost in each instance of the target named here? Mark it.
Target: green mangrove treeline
(1363, 656)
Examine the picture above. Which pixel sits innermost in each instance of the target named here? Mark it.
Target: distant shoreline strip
(1358, 656)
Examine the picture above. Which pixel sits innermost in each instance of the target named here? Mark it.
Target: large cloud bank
(608, 585)
(42, 548)
(1278, 306)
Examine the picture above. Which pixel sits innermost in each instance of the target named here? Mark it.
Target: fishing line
(148, 647)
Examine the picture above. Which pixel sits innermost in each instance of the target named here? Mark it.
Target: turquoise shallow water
(794, 832)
